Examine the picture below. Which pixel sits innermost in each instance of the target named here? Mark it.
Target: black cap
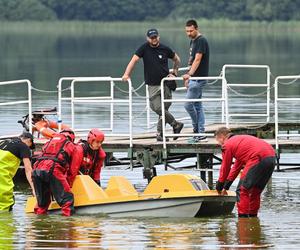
(28, 135)
(152, 33)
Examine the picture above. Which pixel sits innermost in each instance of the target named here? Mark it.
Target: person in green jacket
(12, 152)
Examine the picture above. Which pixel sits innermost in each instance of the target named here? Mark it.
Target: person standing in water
(257, 160)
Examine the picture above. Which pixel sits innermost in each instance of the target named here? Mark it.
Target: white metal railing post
(268, 93)
(59, 119)
(148, 100)
(103, 99)
(163, 115)
(163, 101)
(27, 101)
(228, 85)
(60, 98)
(283, 99)
(148, 107)
(29, 106)
(72, 105)
(112, 85)
(276, 112)
(223, 96)
(130, 112)
(226, 103)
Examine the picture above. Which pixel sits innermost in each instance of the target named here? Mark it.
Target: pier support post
(205, 165)
(278, 160)
(148, 158)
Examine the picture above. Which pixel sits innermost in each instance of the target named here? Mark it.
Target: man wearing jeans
(199, 62)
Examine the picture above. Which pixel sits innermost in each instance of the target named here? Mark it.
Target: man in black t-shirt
(155, 57)
(199, 62)
(12, 152)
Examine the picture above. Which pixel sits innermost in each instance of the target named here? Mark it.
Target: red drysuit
(257, 159)
(49, 175)
(87, 161)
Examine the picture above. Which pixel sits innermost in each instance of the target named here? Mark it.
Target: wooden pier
(146, 152)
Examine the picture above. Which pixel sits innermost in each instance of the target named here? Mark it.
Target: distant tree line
(140, 10)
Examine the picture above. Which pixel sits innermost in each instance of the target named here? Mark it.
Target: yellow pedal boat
(172, 195)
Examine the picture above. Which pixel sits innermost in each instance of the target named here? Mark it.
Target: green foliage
(19, 10)
(140, 10)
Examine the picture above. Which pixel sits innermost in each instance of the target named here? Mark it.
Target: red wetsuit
(257, 159)
(87, 161)
(50, 175)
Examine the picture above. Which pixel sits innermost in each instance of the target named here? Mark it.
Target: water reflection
(7, 230)
(245, 233)
(54, 232)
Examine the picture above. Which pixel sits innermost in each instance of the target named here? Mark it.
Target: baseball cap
(152, 33)
(29, 136)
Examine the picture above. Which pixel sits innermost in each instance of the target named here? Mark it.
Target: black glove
(219, 186)
(227, 184)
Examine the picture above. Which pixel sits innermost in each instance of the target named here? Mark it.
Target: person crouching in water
(257, 159)
(88, 157)
(12, 152)
(50, 173)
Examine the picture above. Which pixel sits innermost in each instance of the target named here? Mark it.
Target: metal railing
(149, 123)
(278, 99)
(27, 101)
(96, 99)
(163, 101)
(247, 85)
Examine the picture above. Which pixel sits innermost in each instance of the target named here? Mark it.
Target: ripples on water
(277, 227)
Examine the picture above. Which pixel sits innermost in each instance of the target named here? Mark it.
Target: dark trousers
(155, 105)
(251, 186)
(47, 184)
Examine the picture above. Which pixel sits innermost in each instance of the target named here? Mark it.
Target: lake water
(45, 52)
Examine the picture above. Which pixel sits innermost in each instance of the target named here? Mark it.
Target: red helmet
(95, 134)
(69, 133)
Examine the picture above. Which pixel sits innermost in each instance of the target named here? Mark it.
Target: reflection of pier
(253, 117)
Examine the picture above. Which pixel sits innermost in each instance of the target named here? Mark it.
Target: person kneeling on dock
(88, 157)
(50, 173)
(255, 157)
(12, 152)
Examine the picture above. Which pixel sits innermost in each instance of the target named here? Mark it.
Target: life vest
(47, 127)
(54, 150)
(90, 159)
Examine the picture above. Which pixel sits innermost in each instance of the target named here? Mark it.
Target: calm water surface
(43, 54)
(277, 227)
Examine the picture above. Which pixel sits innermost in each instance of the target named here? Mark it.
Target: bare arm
(176, 63)
(194, 66)
(28, 171)
(130, 67)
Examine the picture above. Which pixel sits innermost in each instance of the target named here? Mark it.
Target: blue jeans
(195, 109)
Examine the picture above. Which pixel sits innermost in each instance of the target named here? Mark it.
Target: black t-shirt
(16, 147)
(200, 45)
(155, 62)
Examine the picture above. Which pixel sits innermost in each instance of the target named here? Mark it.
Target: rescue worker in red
(88, 157)
(50, 173)
(255, 157)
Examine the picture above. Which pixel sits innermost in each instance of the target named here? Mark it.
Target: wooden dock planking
(182, 144)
